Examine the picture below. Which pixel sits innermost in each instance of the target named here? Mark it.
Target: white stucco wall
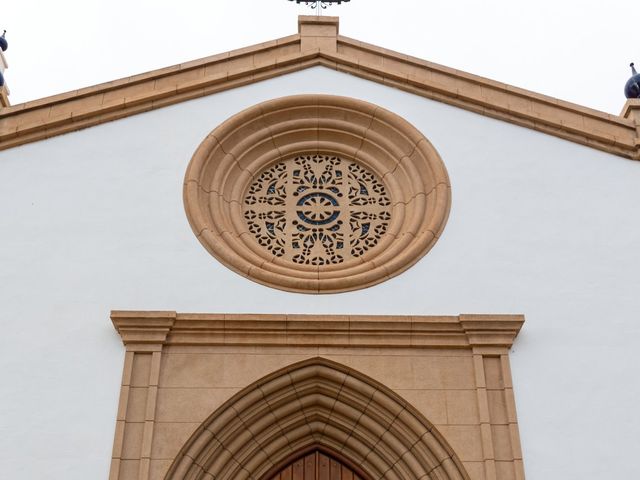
(93, 221)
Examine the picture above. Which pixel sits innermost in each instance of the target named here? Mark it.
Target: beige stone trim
(139, 392)
(235, 153)
(118, 442)
(148, 331)
(318, 33)
(487, 97)
(631, 111)
(306, 381)
(318, 43)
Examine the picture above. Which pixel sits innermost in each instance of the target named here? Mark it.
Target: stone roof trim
(317, 43)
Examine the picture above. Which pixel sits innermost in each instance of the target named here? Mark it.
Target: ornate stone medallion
(317, 194)
(317, 210)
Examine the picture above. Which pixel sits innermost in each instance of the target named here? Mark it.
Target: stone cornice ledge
(143, 328)
(317, 43)
(603, 131)
(148, 329)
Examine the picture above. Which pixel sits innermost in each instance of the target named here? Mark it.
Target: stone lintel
(464, 331)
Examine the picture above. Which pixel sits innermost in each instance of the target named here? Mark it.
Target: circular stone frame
(230, 158)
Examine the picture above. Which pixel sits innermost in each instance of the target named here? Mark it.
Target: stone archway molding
(316, 403)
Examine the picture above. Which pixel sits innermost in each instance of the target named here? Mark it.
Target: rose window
(317, 194)
(317, 209)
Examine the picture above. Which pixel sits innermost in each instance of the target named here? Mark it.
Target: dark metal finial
(3, 42)
(318, 4)
(632, 88)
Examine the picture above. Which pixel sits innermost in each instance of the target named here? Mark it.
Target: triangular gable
(317, 43)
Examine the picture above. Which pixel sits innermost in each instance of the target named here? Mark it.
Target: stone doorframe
(231, 396)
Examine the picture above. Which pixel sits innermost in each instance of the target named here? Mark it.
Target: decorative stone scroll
(317, 194)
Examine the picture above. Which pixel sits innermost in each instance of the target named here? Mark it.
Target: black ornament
(1, 80)
(632, 88)
(320, 3)
(3, 42)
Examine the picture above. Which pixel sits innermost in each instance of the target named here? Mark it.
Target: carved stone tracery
(317, 209)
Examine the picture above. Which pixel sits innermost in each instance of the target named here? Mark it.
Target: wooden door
(316, 466)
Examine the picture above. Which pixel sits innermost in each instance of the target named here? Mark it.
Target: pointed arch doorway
(179, 368)
(316, 404)
(317, 464)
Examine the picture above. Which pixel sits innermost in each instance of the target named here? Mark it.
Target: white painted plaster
(93, 221)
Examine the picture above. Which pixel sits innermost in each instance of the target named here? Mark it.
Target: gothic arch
(316, 404)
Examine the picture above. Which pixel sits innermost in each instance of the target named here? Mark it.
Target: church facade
(316, 258)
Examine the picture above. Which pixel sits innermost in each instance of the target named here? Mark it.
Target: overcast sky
(574, 50)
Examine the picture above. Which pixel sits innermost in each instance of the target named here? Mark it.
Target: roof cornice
(317, 43)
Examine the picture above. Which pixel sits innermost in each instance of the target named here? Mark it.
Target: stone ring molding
(317, 194)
